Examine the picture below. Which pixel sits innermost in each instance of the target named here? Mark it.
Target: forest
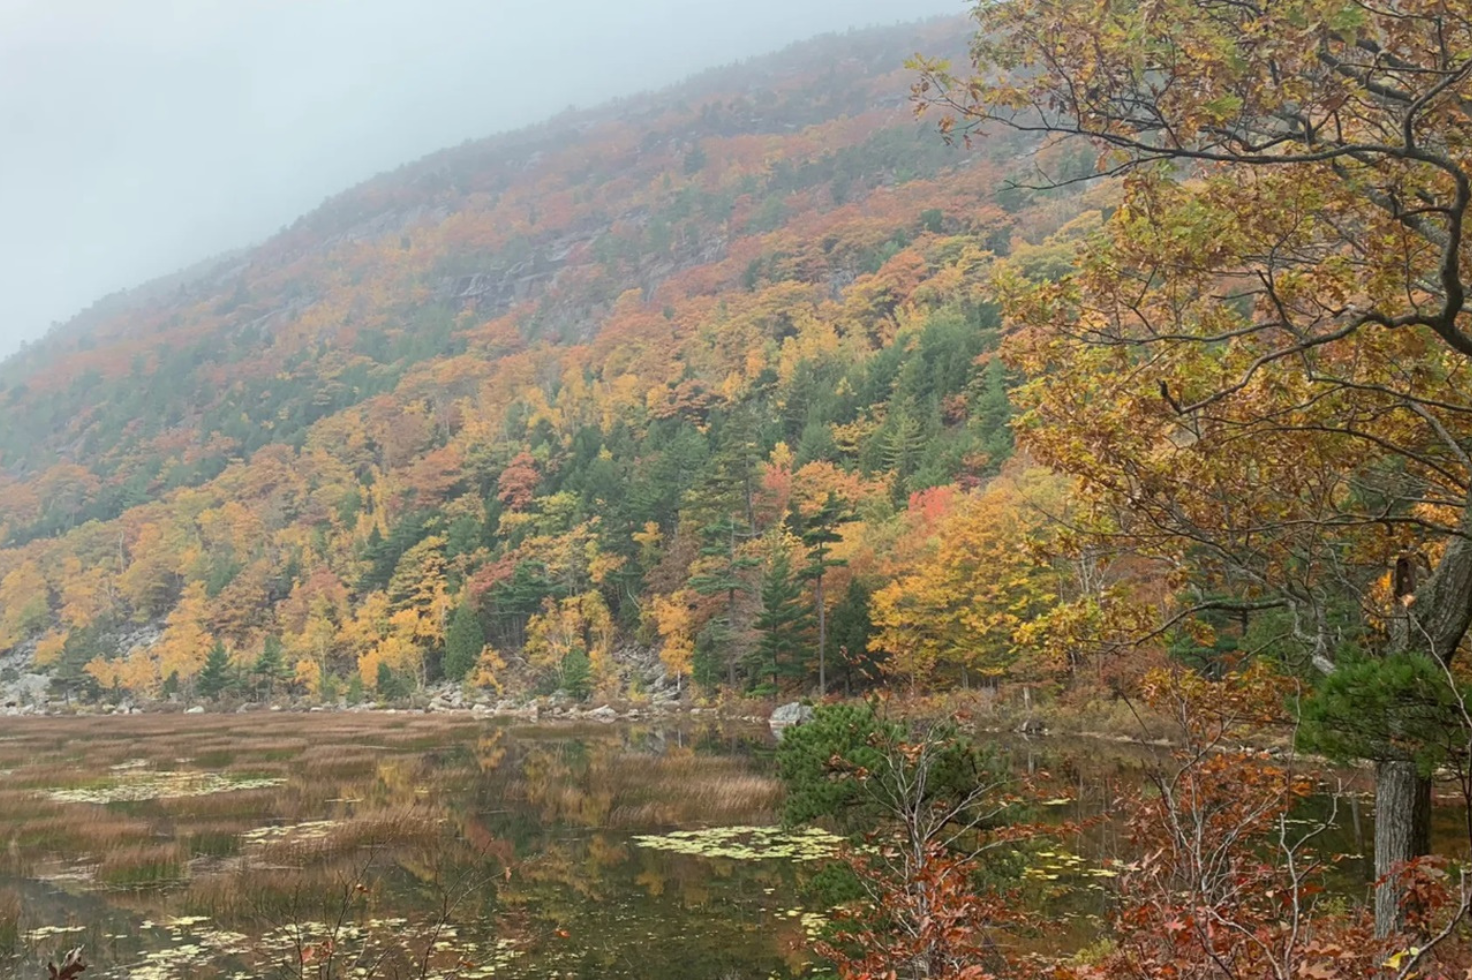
(1114, 354)
(713, 375)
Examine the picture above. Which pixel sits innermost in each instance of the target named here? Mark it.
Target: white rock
(795, 713)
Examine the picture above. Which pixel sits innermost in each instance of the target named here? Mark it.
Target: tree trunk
(1438, 612)
(1402, 833)
(822, 640)
(731, 625)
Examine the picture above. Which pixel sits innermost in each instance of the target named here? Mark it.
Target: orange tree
(1228, 876)
(1260, 366)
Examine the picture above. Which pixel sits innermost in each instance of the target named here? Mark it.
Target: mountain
(535, 404)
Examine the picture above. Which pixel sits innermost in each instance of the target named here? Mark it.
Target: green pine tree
(215, 677)
(819, 534)
(849, 631)
(463, 643)
(269, 668)
(577, 674)
(725, 575)
(70, 678)
(390, 685)
(784, 645)
(705, 665)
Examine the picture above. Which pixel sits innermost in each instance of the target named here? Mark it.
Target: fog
(138, 138)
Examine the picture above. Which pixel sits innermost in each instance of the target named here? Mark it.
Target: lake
(364, 844)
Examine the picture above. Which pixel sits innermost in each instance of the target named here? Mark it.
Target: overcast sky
(140, 136)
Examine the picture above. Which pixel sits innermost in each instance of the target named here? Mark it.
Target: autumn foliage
(576, 386)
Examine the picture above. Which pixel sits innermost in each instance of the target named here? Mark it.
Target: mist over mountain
(142, 137)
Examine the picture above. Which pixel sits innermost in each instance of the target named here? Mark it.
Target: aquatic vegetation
(132, 784)
(813, 923)
(299, 833)
(42, 933)
(610, 873)
(748, 843)
(142, 865)
(191, 946)
(1050, 866)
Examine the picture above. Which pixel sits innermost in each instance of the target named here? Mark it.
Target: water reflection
(527, 834)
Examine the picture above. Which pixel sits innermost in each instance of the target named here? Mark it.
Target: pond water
(375, 844)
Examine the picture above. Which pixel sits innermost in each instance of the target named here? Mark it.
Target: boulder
(604, 713)
(795, 713)
(198, 709)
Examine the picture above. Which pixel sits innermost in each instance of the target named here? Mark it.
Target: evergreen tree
(270, 667)
(69, 678)
(783, 623)
(819, 534)
(903, 447)
(383, 554)
(464, 642)
(728, 490)
(850, 629)
(215, 677)
(577, 674)
(705, 664)
(390, 686)
(723, 572)
(512, 602)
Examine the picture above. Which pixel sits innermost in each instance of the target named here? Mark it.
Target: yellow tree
(964, 596)
(186, 640)
(571, 641)
(1259, 366)
(314, 643)
(420, 599)
(398, 649)
(180, 652)
(87, 593)
(151, 577)
(488, 670)
(25, 604)
(49, 647)
(674, 620)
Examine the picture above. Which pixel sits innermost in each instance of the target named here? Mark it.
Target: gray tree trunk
(1438, 612)
(1402, 833)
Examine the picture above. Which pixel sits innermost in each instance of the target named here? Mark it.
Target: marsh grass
(11, 909)
(252, 805)
(421, 796)
(255, 895)
(620, 790)
(213, 841)
(143, 865)
(346, 762)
